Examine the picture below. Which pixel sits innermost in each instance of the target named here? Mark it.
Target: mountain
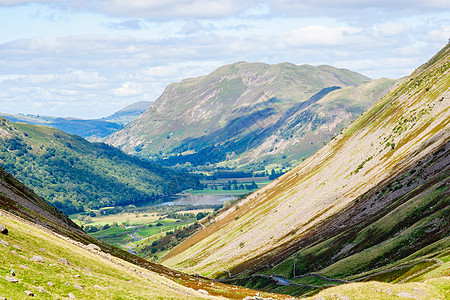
(373, 204)
(128, 113)
(236, 117)
(74, 174)
(52, 258)
(92, 129)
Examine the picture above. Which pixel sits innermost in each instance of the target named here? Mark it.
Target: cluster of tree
(274, 174)
(95, 228)
(234, 185)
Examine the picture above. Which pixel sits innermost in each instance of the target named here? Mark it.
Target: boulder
(77, 286)
(405, 295)
(99, 287)
(12, 279)
(41, 289)
(37, 258)
(71, 296)
(203, 292)
(50, 283)
(29, 293)
(63, 261)
(94, 247)
(3, 229)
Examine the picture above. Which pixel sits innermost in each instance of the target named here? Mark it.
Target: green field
(133, 227)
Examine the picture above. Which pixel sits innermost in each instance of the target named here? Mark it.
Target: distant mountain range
(245, 116)
(92, 129)
(373, 204)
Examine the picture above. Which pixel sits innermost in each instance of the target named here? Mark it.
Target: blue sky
(90, 58)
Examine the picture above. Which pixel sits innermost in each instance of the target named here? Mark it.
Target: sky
(90, 58)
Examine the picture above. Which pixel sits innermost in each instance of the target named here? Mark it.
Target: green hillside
(244, 116)
(373, 204)
(74, 174)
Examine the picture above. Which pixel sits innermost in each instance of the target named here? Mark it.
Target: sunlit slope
(403, 128)
(78, 264)
(91, 274)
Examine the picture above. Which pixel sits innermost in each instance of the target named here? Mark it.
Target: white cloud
(21, 2)
(391, 28)
(171, 40)
(211, 9)
(126, 25)
(319, 35)
(128, 89)
(439, 34)
(168, 9)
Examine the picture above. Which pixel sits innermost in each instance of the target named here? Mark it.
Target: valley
(259, 181)
(48, 256)
(241, 150)
(147, 231)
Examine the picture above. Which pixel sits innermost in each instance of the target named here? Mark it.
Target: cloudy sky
(90, 58)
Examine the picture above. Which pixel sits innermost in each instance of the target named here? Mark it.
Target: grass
(115, 280)
(135, 218)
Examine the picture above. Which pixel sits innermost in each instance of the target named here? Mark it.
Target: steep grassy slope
(72, 173)
(223, 117)
(93, 270)
(375, 195)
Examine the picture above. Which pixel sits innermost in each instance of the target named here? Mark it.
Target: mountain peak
(234, 104)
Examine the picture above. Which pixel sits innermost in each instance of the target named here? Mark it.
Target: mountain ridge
(221, 118)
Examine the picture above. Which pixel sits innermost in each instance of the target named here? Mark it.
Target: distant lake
(197, 200)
